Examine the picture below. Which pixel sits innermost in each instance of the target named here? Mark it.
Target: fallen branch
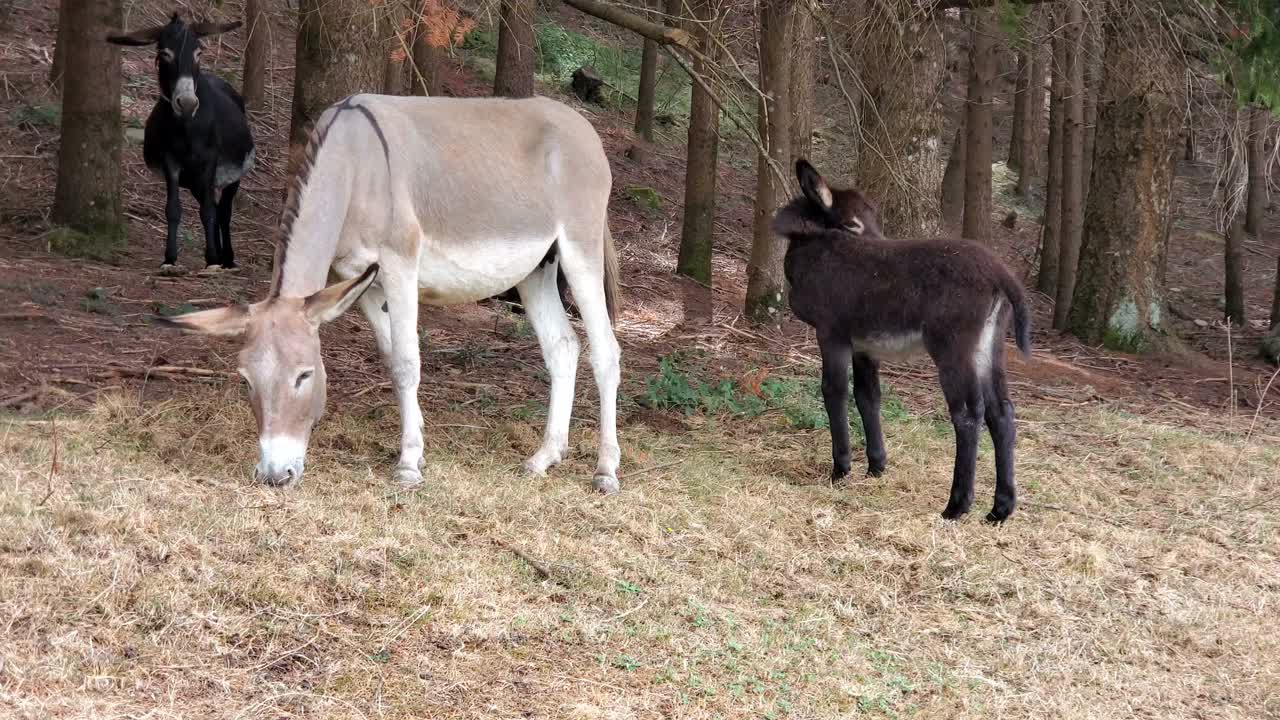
(656, 32)
(53, 465)
(541, 570)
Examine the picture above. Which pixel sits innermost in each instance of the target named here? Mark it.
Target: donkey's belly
(467, 272)
(891, 347)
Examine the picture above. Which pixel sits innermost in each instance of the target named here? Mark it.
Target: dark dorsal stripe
(289, 215)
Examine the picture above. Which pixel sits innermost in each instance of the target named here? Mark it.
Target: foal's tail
(610, 275)
(1021, 315)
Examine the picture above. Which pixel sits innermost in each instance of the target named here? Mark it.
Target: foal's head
(282, 367)
(827, 208)
(177, 58)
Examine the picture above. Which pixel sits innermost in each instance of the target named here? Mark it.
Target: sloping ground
(142, 576)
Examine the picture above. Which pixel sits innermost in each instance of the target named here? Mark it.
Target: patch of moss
(101, 244)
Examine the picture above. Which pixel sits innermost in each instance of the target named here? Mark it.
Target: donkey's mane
(306, 164)
(289, 215)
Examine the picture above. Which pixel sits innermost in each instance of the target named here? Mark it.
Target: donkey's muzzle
(186, 105)
(280, 477)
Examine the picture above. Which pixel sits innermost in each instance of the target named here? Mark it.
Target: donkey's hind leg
(560, 352)
(586, 279)
(1003, 428)
(964, 401)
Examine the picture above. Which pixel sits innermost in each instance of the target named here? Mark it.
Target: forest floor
(141, 573)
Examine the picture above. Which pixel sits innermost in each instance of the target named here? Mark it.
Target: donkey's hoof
(998, 516)
(407, 477)
(875, 471)
(605, 484)
(210, 270)
(170, 269)
(954, 513)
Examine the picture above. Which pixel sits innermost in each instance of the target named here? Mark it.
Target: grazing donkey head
(177, 58)
(282, 367)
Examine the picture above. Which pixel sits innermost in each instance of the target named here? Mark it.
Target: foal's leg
(225, 203)
(1003, 428)
(559, 345)
(400, 287)
(866, 393)
(964, 401)
(586, 279)
(836, 353)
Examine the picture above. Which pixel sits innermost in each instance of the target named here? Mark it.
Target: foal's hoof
(954, 513)
(998, 515)
(170, 269)
(874, 471)
(407, 478)
(605, 484)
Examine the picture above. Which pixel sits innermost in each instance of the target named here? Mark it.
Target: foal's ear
(812, 184)
(205, 29)
(231, 320)
(329, 303)
(137, 38)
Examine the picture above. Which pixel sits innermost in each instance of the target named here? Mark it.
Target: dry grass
(148, 577)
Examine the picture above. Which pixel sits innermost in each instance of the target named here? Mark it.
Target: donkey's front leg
(560, 350)
(404, 362)
(836, 354)
(173, 218)
(866, 393)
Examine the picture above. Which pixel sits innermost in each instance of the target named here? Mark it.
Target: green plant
(37, 117)
(101, 246)
(97, 301)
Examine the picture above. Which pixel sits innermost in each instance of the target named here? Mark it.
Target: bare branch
(654, 31)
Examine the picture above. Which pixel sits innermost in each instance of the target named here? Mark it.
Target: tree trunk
(424, 74)
(1275, 298)
(803, 89)
(88, 192)
(1257, 171)
(978, 134)
(340, 52)
(647, 92)
(1233, 288)
(1051, 233)
(953, 183)
(899, 145)
(1072, 163)
(392, 75)
(1021, 110)
(516, 52)
(1119, 299)
(764, 270)
(698, 226)
(1092, 86)
(1022, 155)
(256, 51)
(59, 49)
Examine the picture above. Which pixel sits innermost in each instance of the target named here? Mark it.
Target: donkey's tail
(1021, 315)
(611, 292)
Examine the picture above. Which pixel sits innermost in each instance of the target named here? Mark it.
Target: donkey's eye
(302, 377)
(165, 55)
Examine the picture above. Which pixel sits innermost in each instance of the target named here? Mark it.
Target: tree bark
(59, 50)
(1275, 298)
(953, 183)
(698, 224)
(803, 88)
(1092, 85)
(1233, 285)
(1051, 233)
(1021, 111)
(978, 134)
(1257, 171)
(1119, 297)
(339, 52)
(424, 75)
(646, 95)
(764, 269)
(256, 51)
(87, 197)
(516, 52)
(1072, 163)
(899, 147)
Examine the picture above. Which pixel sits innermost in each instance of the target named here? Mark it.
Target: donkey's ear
(812, 184)
(137, 38)
(329, 303)
(231, 320)
(205, 29)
